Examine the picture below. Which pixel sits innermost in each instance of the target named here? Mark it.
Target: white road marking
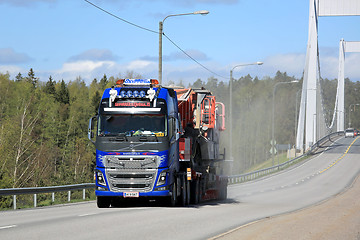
(9, 226)
(87, 214)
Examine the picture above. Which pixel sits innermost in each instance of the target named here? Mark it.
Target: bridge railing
(255, 174)
(36, 190)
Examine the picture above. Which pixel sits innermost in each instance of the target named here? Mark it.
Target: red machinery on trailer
(203, 119)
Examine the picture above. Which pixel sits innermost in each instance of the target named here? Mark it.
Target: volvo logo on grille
(131, 146)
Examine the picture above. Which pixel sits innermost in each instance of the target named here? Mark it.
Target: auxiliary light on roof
(132, 94)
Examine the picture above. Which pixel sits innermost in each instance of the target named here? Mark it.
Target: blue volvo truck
(142, 150)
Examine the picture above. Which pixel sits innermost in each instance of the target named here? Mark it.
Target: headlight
(100, 178)
(162, 178)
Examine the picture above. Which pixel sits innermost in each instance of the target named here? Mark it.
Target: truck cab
(136, 135)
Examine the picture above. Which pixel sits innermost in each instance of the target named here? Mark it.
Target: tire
(173, 197)
(223, 191)
(199, 191)
(195, 192)
(103, 202)
(188, 193)
(183, 195)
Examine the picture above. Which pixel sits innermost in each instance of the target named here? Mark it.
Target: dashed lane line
(7, 227)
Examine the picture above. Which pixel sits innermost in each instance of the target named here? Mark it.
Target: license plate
(131, 194)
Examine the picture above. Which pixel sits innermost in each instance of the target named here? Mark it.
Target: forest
(43, 124)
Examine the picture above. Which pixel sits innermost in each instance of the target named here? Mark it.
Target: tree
(18, 77)
(31, 78)
(103, 82)
(62, 94)
(95, 101)
(50, 87)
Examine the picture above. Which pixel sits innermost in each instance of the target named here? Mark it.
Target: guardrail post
(53, 197)
(14, 201)
(69, 196)
(35, 200)
(84, 194)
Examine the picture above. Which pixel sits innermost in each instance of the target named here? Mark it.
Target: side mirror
(91, 129)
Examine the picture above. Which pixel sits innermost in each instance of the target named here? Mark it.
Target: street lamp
(202, 12)
(273, 118)
(353, 104)
(230, 97)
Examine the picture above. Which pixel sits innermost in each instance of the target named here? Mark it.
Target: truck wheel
(223, 191)
(199, 191)
(103, 202)
(183, 197)
(173, 198)
(195, 191)
(187, 192)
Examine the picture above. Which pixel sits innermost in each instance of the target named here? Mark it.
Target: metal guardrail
(37, 190)
(252, 175)
(232, 179)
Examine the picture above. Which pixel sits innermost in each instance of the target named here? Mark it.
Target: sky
(67, 39)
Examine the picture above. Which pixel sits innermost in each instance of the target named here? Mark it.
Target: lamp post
(230, 102)
(273, 118)
(161, 23)
(353, 104)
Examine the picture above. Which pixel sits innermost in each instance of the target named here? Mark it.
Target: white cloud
(83, 66)
(139, 64)
(9, 56)
(330, 66)
(352, 66)
(292, 64)
(89, 70)
(85, 69)
(94, 55)
(11, 69)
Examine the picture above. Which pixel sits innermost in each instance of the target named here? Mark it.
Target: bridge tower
(310, 117)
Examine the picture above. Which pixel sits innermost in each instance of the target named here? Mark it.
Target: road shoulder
(335, 218)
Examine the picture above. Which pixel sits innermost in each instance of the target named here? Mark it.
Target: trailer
(158, 143)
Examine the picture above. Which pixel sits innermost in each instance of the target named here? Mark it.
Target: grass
(281, 158)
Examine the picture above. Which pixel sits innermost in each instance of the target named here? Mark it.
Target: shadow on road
(134, 203)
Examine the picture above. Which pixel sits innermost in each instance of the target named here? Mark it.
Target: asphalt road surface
(306, 184)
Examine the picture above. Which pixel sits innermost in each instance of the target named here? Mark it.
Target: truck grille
(121, 181)
(131, 173)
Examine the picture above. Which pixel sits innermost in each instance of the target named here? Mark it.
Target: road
(315, 180)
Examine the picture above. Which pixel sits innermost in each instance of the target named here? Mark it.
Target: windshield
(132, 125)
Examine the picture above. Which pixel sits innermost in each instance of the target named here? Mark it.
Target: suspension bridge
(312, 123)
